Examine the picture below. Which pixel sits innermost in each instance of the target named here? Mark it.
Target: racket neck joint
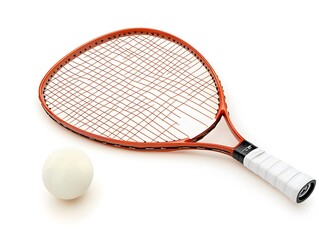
(242, 150)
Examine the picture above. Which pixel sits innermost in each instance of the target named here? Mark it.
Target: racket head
(145, 53)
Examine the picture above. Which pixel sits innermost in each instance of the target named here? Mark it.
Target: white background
(266, 54)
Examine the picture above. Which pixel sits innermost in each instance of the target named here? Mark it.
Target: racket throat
(242, 150)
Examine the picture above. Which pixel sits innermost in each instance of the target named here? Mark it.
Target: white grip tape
(279, 174)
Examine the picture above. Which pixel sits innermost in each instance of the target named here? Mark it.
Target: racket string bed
(134, 88)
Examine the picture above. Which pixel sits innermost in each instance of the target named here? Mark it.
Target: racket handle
(296, 185)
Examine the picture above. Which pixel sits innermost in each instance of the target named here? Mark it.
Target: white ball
(67, 173)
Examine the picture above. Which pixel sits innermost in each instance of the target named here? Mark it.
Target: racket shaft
(296, 185)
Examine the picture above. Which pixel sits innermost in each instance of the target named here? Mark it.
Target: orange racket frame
(164, 146)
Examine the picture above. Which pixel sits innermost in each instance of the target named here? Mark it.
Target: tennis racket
(147, 89)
